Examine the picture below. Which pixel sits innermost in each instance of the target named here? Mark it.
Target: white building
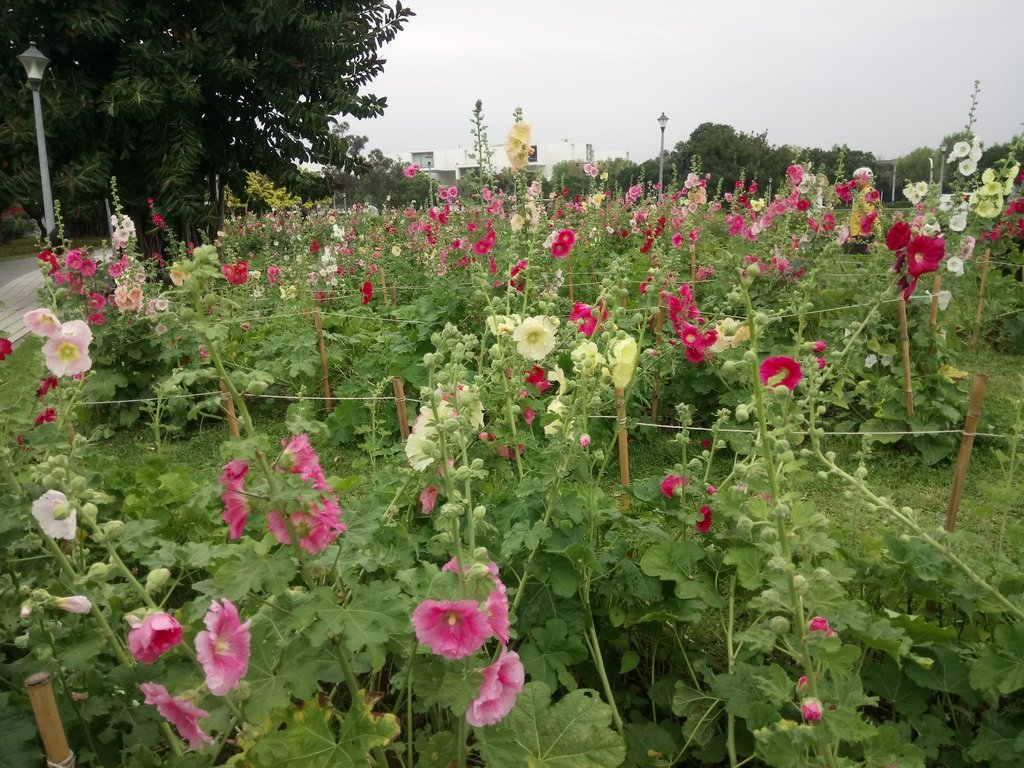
(447, 166)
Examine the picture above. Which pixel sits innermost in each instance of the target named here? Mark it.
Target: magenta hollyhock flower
(529, 415)
(367, 291)
(811, 709)
(44, 511)
(898, 236)
(411, 169)
(182, 714)
(428, 499)
(316, 526)
(236, 506)
(563, 243)
(6, 348)
(223, 647)
(704, 524)
(236, 273)
(41, 322)
(671, 482)
(503, 680)
(300, 457)
(781, 372)
(924, 254)
(151, 637)
(497, 613)
(273, 272)
(451, 628)
(67, 350)
(820, 624)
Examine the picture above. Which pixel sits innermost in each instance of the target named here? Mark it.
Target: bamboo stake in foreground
(323, 359)
(403, 416)
(51, 731)
(229, 409)
(620, 414)
(975, 337)
(966, 446)
(905, 345)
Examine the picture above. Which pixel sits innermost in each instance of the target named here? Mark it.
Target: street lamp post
(662, 122)
(942, 167)
(35, 65)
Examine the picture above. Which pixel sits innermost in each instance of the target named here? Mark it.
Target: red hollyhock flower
(236, 273)
(802, 205)
(924, 254)
(48, 416)
(704, 524)
(50, 382)
(781, 372)
(868, 222)
(5, 348)
(898, 236)
(367, 292)
(538, 378)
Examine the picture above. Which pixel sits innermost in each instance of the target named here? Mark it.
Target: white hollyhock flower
(968, 166)
(960, 149)
(955, 265)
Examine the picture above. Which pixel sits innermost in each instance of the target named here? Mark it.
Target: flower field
(424, 542)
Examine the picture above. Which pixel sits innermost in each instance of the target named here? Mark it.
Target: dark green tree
(179, 99)
(729, 155)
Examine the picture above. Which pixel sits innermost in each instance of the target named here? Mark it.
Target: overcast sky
(885, 76)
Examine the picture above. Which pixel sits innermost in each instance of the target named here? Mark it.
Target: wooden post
(229, 409)
(620, 413)
(51, 731)
(936, 287)
(383, 283)
(966, 445)
(658, 324)
(324, 375)
(403, 416)
(976, 336)
(905, 345)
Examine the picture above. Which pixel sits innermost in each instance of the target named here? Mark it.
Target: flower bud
(112, 529)
(742, 412)
(62, 511)
(779, 624)
(156, 579)
(800, 584)
(98, 571)
(73, 604)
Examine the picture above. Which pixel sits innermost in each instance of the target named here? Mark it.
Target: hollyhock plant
(6, 348)
(586, 317)
(316, 526)
(151, 637)
(451, 628)
(74, 604)
(223, 647)
(535, 337)
(781, 372)
(503, 680)
(367, 291)
(236, 273)
(182, 714)
(300, 458)
(428, 499)
(563, 243)
(704, 524)
(236, 505)
(54, 516)
(41, 322)
(924, 254)
(671, 483)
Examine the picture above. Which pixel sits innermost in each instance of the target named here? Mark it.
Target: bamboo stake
(658, 323)
(933, 321)
(324, 375)
(905, 345)
(403, 416)
(620, 413)
(229, 409)
(976, 336)
(966, 446)
(383, 283)
(51, 731)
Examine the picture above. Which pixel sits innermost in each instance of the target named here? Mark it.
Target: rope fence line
(674, 427)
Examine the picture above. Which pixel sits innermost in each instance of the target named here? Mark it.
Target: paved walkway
(20, 281)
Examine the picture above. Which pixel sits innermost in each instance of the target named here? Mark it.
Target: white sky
(885, 76)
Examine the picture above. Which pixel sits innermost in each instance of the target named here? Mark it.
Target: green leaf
(671, 560)
(574, 733)
(251, 572)
(18, 741)
(550, 651)
(1000, 666)
(749, 566)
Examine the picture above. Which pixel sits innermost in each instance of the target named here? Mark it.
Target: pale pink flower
(428, 499)
(451, 628)
(41, 322)
(179, 712)
(223, 648)
(585, 440)
(811, 709)
(503, 680)
(74, 604)
(151, 637)
(67, 350)
(43, 510)
(497, 613)
(236, 506)
(316, 526)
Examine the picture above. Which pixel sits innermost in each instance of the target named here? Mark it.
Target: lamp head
(34, 63)
(663, 120)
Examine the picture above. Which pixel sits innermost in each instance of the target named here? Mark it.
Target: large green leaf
(1000, 667)
(573, 733)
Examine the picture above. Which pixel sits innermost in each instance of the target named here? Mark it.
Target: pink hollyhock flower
(801, 683)
(367, 291)
(924, 254)
(796, 175)
(74, 604)
(781, 372)
(820, 346)
(828, 222)
(586, 317)
(41, 322)
(537, 376)
(585, 441)
(503, 680)
(563, 243)
(316, 526)
(115, 269)
(451, 628)
(821, 363)
(497, 612)
(273, 273)
(529, 415)
(301, 458)
(428, 499)
(820, 624)
(6, 348)
(704, 524)
(236, 506)
(236, 273)
(811, 709)
(671, 482)
(411, 169)
(180, 713)
(223, 648)
(151, 637)
(67, 350)
(44, 510)
(97, 300)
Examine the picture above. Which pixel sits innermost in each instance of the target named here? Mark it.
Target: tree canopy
(179, 100)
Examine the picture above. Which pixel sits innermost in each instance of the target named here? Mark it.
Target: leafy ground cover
(763, 580)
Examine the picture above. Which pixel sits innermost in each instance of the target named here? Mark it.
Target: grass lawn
(26, 247)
